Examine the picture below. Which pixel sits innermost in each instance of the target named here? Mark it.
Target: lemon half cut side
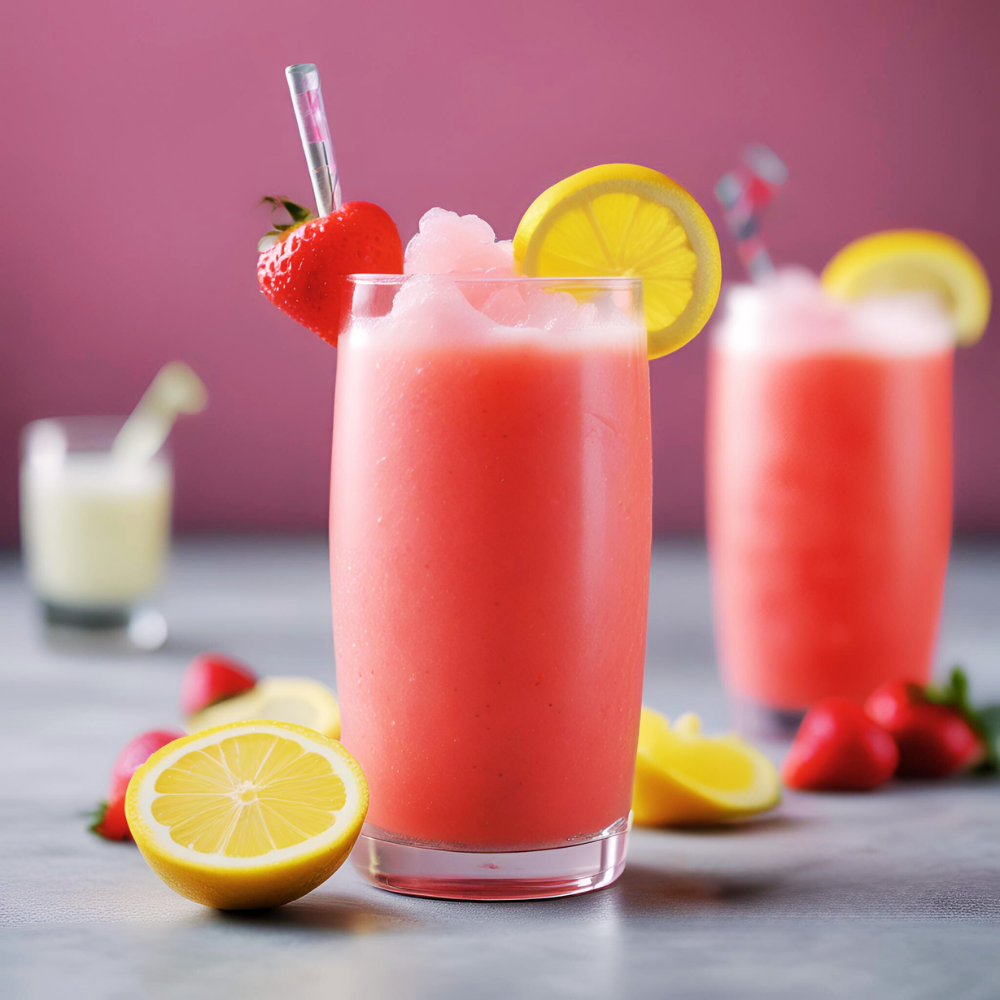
(247, 815)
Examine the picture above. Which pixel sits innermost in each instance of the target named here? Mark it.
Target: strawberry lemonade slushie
(490, 537)
(829, 500)
(490, 520)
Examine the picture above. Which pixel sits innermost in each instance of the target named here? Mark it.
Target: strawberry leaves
(988, 724)
(96, 818)
(299, 215)
(985, 721)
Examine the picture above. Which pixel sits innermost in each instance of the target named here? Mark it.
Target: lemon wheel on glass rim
(915, 260)
(624, 220)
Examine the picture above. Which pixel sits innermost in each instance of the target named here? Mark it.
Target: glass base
(494, 875)
(755, 719)
(91, 619)
(118, 629)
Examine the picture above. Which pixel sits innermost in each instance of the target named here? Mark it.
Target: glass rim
(100, 430)
(598, 283)
(90, 419)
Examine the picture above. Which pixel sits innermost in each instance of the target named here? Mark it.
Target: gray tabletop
(893, 894)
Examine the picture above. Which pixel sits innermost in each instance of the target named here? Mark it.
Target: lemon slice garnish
(248, 815)
(623, 220)
(684, 778)
(298, 700)
(915, 260)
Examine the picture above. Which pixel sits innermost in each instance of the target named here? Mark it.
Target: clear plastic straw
(303, 82)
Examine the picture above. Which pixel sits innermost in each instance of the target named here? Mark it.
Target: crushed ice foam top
(435, 302)
(791, 313)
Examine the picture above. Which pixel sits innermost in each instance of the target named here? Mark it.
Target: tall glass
(829, 504)
(490, 539)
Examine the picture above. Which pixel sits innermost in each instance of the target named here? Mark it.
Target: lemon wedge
(684, 778)
(248, 815)
(298, 700)
(909, 260)
(623, 220)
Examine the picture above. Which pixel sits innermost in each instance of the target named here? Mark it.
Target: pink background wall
(138, 138)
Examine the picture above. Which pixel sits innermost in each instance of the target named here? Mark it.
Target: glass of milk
(95, 525)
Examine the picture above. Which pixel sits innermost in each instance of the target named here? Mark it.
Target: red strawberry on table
(839, 748)
(303, 264)
(211, 677)
(937, 731)
(109, 820)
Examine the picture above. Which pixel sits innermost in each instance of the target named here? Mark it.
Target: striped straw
(303, 82)
(743, 193)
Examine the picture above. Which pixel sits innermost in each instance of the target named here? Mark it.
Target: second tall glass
(490, 543)
(829, 496)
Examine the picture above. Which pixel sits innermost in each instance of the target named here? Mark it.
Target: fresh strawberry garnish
(211, 677)
(109, 819)
(839, 748)
(303, 264)
(937, 731)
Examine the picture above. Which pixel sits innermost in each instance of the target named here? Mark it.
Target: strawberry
(211, 677)
(839, 748)
(109, 818)
(937, 731)
(302, 265)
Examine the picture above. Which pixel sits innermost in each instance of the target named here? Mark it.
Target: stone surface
(895, 894)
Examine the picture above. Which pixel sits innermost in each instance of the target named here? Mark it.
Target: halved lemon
(249, 815)
(909, 260)
(683, 778)
(299, 700)
(623, 220)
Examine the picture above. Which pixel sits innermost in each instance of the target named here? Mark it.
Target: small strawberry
(839, 749)
(109, 818)
(937, 731)
(303, 264)
(211, 677)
